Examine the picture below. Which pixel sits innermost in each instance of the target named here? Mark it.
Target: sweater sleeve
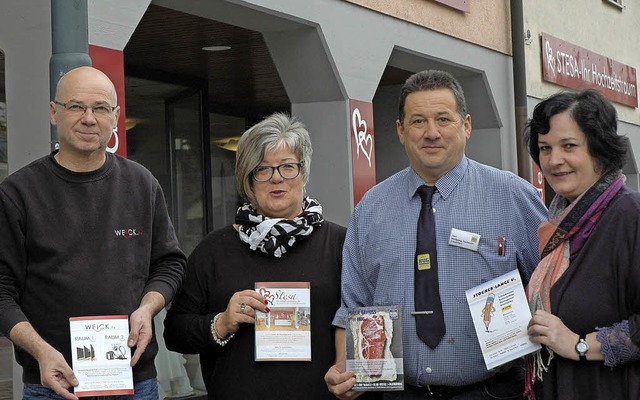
(188, 321)
(621, 248)
(168, 262)
(616, 345)
(354, 288)
(12, 263)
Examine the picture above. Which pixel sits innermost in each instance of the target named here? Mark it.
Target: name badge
(424, 262)
(464, 239)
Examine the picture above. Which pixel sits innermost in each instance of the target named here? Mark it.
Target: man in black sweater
(84, 233)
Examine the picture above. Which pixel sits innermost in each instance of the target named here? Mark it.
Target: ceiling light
(228, 143)
(216, 48)
(131, 123)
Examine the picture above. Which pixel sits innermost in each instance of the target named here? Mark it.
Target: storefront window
(164, 134)
(185, 126)
(4, 169)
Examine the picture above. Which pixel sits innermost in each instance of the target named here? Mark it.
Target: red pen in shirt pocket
(501, 246)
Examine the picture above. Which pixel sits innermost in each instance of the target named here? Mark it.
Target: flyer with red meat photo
(374, 347)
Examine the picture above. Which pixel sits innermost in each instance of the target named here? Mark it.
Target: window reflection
(225, 132)
(185, 124)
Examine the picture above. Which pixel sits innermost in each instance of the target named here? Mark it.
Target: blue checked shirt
(379, 250)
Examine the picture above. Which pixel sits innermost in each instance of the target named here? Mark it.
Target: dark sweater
(222, 265)
(82, 244)
(600, 287)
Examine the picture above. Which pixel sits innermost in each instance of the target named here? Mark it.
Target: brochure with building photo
(374, 347)
(500, 313)
(100, 355)
(284, 333)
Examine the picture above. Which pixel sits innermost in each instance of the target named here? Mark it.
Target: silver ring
(242, 307)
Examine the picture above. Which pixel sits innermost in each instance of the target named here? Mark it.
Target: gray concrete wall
(330, 180)
(25, 40)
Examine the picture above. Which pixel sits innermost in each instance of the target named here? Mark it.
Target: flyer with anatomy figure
(284, 333)
(100, 356)
(501, 313)
(374, 347)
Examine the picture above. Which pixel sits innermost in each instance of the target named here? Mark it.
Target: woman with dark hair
(585, 293)
(280, 235)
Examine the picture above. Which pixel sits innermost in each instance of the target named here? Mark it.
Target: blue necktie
(428, 313)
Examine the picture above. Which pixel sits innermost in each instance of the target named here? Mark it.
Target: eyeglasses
(102, 110)
(263, 173)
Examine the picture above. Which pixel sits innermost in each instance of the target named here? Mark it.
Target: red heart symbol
(267, 294)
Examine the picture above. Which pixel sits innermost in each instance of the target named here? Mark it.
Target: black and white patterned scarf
(275, 236)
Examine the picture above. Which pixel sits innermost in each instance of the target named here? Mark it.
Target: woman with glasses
(281, 236)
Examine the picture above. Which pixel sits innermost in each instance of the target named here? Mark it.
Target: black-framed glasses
(263, 173)
(102, 110)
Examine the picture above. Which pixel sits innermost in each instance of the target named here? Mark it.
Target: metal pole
(520, 87)
(70, 44)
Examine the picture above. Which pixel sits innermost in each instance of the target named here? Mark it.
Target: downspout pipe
(69, 44)
(520, 87)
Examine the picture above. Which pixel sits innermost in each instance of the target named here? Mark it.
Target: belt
(444, 392)
(513, 376)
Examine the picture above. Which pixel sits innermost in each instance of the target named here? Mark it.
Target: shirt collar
(447, 182)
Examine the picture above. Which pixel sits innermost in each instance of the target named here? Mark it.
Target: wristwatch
(582, 347)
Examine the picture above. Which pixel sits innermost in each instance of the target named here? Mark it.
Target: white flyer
(100, 355)
(500, 313)
(284, 333)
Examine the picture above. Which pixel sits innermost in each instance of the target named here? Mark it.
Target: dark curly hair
(596, 117)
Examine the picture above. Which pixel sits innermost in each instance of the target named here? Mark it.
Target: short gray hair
(272, 133)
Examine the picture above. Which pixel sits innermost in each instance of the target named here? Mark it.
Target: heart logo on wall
(364, 141)
(117, 141)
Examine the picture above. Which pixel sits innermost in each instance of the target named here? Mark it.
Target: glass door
(184, 120)
(164, 133)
